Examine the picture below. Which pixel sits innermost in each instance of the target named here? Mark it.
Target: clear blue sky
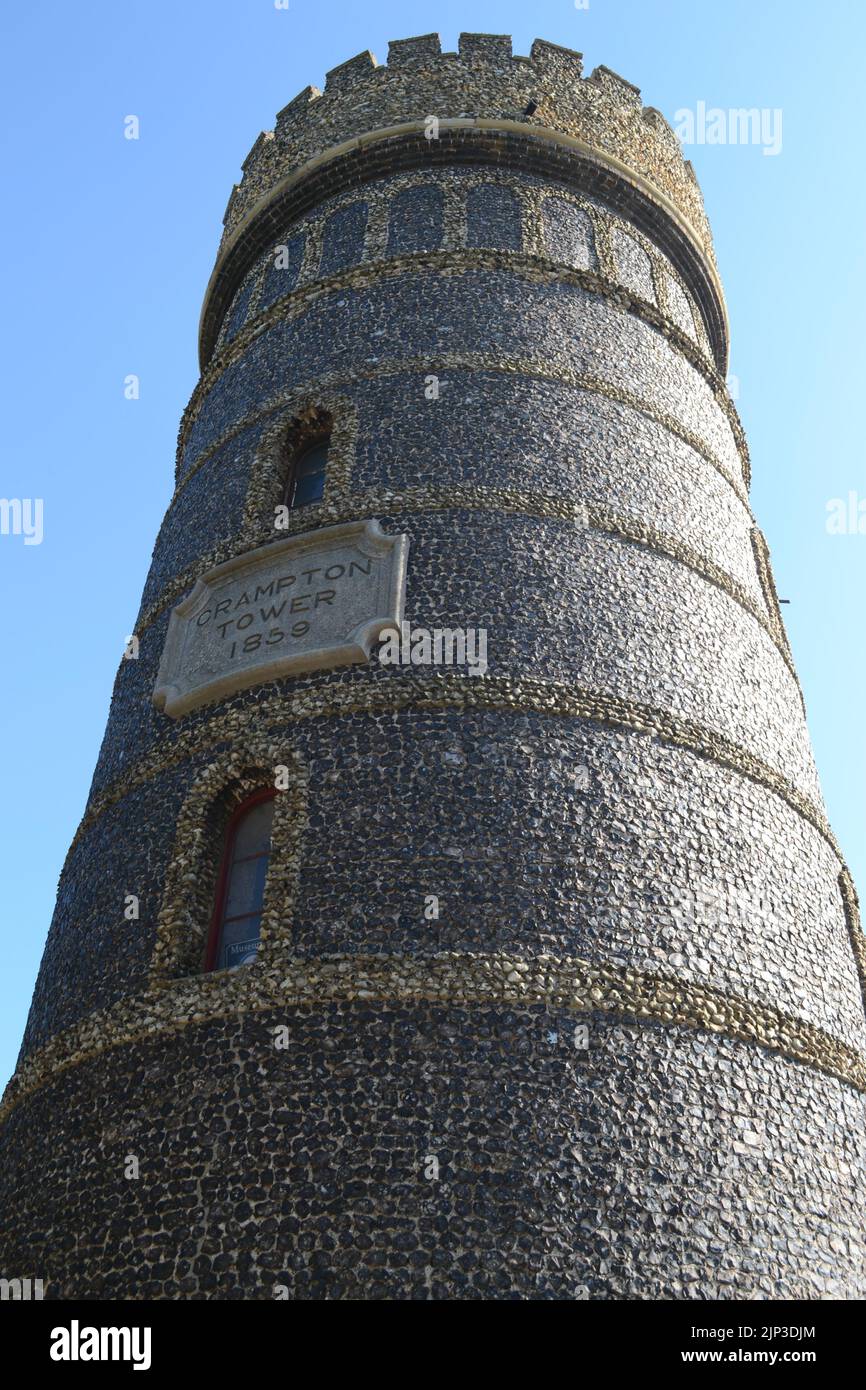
(108, 245)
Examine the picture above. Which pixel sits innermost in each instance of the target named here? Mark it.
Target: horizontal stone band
(282, 311)
(501, 364)
(448, 978)
(509, 502)
(453, 692)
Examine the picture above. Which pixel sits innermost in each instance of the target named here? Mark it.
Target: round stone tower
(555, 986)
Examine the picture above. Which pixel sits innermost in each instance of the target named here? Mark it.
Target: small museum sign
(304, 603)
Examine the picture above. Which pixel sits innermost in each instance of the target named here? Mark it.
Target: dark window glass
(307, 478)
(241, 889)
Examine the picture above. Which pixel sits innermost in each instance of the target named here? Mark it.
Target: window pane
(307, 478)
(240, 922)
(246, 887)
(311, 489)
(253, 835)
(313, 460)
(240, 943)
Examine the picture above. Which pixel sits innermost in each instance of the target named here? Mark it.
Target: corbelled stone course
(482, 80)
(469, 143)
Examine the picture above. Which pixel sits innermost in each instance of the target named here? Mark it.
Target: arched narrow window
(306, 480)
(237, 918)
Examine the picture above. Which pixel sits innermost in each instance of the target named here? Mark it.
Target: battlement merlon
(486, 80)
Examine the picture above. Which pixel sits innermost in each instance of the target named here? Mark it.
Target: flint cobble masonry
(625, 1059)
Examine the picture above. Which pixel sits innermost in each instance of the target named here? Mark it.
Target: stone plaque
(304, 603)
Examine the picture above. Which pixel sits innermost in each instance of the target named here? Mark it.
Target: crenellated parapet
(479, 104)
(483, 80)
(549, 895)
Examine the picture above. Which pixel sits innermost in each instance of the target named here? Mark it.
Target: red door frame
(266, 794)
